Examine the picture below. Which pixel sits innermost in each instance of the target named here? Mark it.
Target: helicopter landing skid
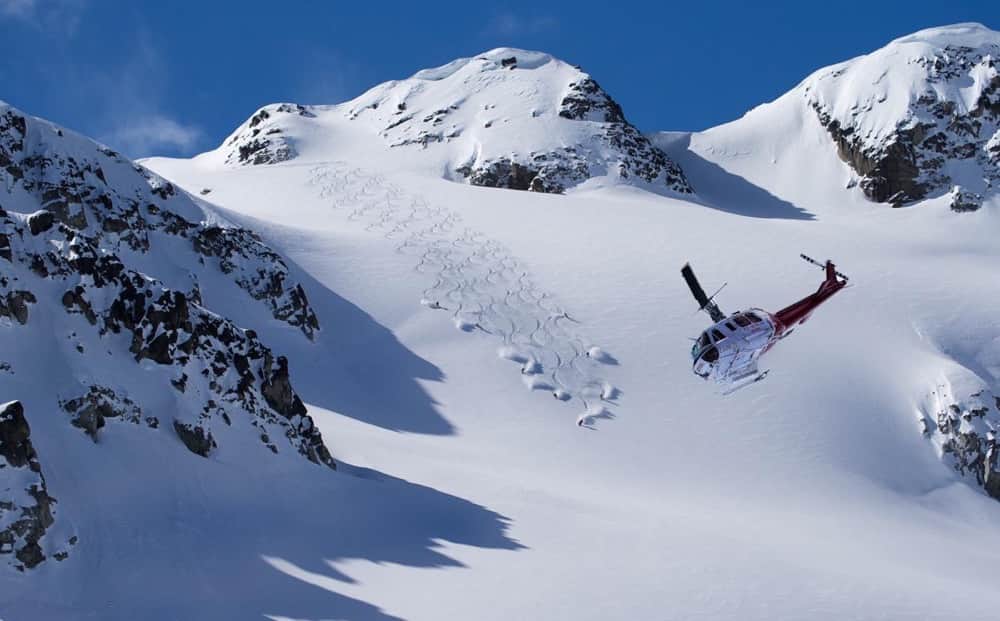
(745, 381)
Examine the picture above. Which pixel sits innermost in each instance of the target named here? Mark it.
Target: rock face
(100, 403)
(213, 362)
(965, 431)
(262, 140)
(919, 118)
(241, 254)
(26, 509)
(507, 118)
(84, 239)
(122, 206)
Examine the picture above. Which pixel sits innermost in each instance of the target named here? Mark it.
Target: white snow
(465, 492)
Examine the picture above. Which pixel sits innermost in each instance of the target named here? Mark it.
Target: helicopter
(729, 349)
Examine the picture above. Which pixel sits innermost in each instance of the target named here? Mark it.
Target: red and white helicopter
(729, 349)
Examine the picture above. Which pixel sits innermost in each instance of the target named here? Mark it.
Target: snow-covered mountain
(914, 120)
(108, 275)
(507, 118)
(919, 117)
(464, 331)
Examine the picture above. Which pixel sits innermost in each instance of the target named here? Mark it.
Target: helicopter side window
(741, 321)
(717, 336)
(753, 318)
(731, 327)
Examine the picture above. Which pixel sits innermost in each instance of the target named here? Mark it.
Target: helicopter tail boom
(799, 311)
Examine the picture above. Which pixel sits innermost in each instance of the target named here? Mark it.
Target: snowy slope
(811, 495)
(506, 118)
(451, 317)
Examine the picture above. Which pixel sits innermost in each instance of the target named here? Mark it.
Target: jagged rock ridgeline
(80, 229)
(123, 206)
(918, 118)
(26, 509)
(221, 366)
(506, 118)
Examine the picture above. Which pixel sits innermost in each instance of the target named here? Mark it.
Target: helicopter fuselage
(728, 350)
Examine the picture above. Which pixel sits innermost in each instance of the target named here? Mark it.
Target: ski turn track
(477, 281)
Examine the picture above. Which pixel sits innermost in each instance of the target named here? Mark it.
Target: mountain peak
(969, 34)
(918, 117)
(500, 57)
(506, 118)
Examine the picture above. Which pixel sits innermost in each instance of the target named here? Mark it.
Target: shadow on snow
(356, 367)
(720, 189)
(396, 522)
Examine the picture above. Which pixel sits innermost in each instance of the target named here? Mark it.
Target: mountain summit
(918, 117)
(507, 118)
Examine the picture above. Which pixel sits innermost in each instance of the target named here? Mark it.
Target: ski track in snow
(480, 284)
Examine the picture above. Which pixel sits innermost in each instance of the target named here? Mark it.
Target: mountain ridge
(507, 118)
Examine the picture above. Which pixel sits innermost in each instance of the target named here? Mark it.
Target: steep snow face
(919, 117)
(108, 275)
(508, 118)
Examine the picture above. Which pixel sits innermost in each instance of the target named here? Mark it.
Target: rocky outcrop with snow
(26, 509)
(101, 252)
(507, 118)
(964, 430)
(125, 207)
(262, 140)
(919, 117)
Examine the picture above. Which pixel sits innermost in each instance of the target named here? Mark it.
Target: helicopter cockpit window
(717, 336)
(753, 318)
(741, 321)
(704, 341)
(711, 355)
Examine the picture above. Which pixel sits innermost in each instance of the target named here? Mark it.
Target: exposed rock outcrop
(261, 140)
(224, 368)
(196, 438)
(71, 189)
(965, 431)
(100, 261)
(259, 271)
(100, 404)
(26, 509)
(919, 118)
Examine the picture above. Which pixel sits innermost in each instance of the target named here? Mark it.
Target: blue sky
(175, 77)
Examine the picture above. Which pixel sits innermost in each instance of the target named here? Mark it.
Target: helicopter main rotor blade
(704, 302)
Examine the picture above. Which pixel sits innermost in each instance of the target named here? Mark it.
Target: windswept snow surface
(464, 493)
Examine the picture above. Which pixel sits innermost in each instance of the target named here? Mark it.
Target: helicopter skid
(743, 381)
